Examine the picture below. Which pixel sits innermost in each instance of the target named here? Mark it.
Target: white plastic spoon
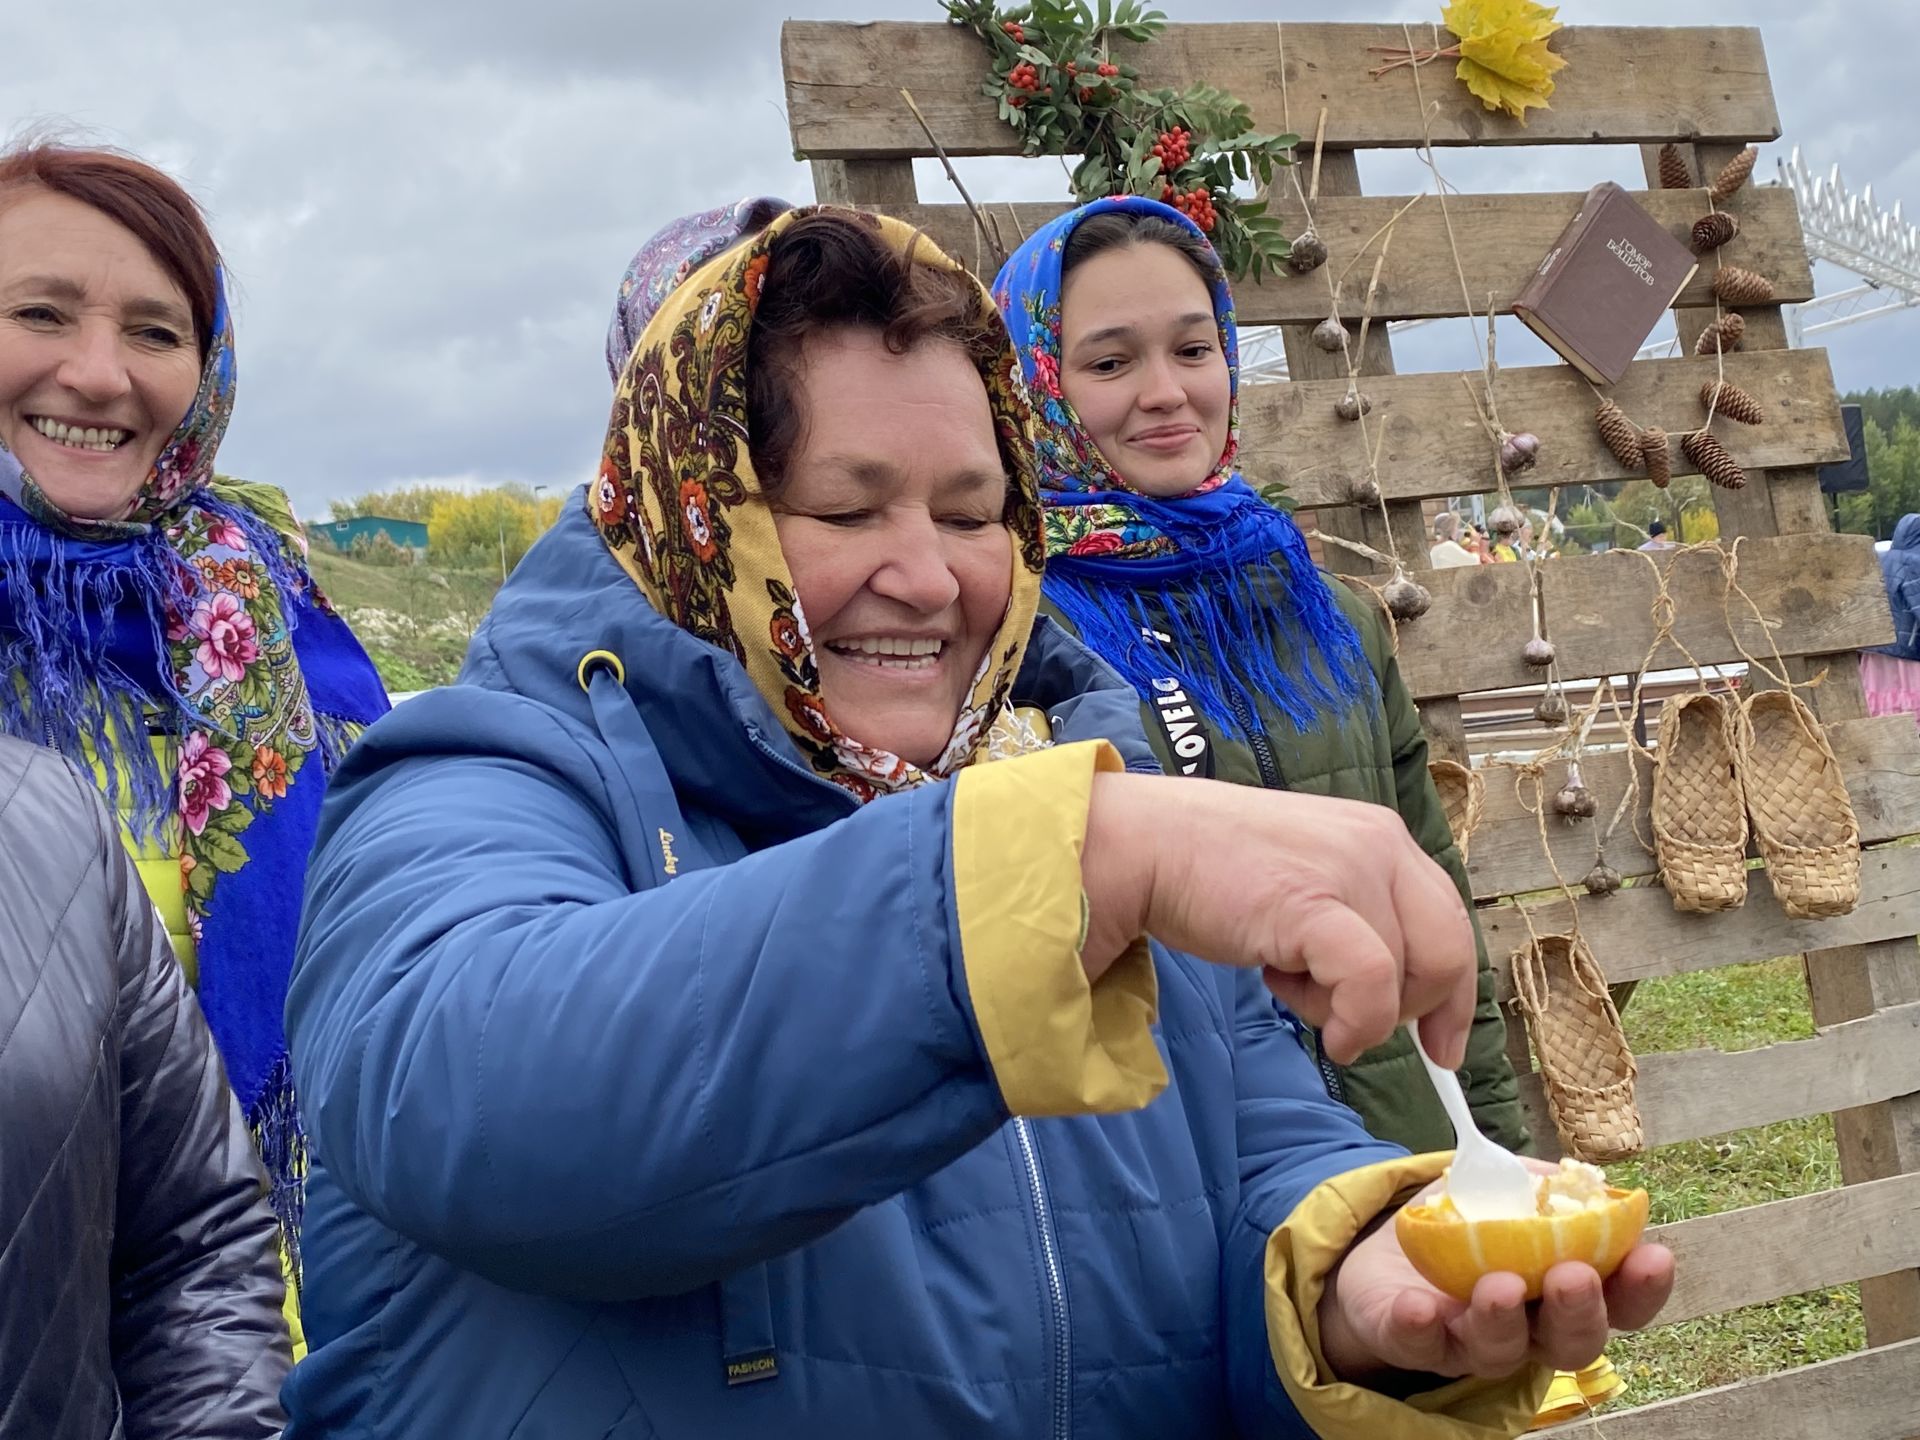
(1486, 1182)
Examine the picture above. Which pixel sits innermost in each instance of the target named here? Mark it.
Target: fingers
(1444, 1032)
(1441, 961)
(1358, 975)
(1415, 1336)
(1493, 1335)
(1571, 1328)
(1637, 1290)
(1490, 1336)
(1299, 994)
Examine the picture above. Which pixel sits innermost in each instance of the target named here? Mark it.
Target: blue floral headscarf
(195, 616)
(1122, 564)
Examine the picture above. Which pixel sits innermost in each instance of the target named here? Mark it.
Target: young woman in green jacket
(1250, 665)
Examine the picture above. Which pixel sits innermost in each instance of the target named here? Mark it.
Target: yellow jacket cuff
(1058, 1045)
(1300, 1256)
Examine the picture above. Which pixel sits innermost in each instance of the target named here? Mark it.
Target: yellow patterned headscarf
(678, 504)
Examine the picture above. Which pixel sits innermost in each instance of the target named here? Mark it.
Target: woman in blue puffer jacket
(729, 1012)
(1890, 674)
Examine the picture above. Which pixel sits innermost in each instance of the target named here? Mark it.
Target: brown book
(1605, 284)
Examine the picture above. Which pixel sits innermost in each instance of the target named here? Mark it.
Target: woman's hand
(1378, 1315)
(1356, 929)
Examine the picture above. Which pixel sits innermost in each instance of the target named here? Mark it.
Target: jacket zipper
(1270, 778)
(1257, 741)
(1049, 1252)
(1056, 1285)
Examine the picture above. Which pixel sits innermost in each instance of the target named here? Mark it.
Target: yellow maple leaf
(1504, 59)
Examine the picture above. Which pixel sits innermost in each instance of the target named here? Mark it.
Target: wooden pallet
(1707, 89)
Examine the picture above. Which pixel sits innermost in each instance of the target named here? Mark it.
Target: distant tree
(482, 529)
(1893, 463)
(1886, 407)
(1686, 506)
(407, 502)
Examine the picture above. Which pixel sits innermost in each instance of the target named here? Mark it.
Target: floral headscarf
(196, 616)
(676, 250)
(680, 507)
(1214, 589)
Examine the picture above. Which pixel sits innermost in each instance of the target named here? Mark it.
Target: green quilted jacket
(1377, 753)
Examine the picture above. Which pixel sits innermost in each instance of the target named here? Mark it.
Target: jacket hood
(1906, 534)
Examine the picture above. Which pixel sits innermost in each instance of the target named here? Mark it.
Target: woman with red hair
(158, 622)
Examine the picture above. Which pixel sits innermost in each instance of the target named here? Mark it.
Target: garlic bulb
(1405, 599)
(1574, 800)
(1518, 452)
(1307, 253)
(1330, 335)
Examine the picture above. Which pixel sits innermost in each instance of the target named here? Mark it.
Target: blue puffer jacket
(657, 1090)
(1900, 566)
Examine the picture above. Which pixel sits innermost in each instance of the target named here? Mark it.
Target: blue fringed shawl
(1224, 576)
(196, 616)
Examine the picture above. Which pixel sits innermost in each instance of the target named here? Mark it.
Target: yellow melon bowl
(1452, 1253)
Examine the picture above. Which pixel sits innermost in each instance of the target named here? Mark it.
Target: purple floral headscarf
(674, 253)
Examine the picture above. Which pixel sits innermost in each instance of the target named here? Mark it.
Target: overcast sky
(426, 205)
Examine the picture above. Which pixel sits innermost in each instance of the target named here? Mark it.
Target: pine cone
(1711, 459)
(1710, 232)
(1654, 454)
(1734, 174)
(1618, 433)
(1722, 335)
(1723, 397)
(1675, 174)
(1734, 286)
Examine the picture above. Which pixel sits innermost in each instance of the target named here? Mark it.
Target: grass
(1736, 1008)
(415, 620)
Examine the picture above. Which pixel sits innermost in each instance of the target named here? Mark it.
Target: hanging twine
(1370, 447)
(1489, 411)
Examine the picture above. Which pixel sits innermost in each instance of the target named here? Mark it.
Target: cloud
(426, 207)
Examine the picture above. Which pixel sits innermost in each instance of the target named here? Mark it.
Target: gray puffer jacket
(140, 1290)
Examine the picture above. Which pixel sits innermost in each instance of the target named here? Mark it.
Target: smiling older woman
(158, 626)
(731, 1010)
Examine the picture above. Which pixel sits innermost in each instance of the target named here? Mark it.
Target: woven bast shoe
(1699, 819)
(1802, 816)
(1585, 1065)
(1463, 795)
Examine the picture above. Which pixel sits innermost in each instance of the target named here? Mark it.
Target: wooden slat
(1637, 934)
(1878, 760)
(1879, 1139)
(1435, 446)
(1691, 1094)
(1620, 86)
(1503, 238)
(1809, 1242)
(1868, 1396)
(881, 184)
(1822, 592)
